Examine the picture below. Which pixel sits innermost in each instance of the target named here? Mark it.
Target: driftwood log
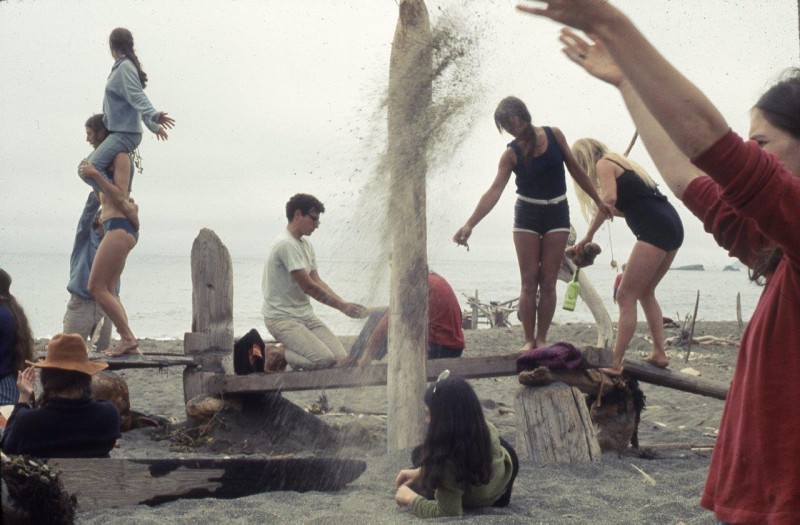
(554, 426)
(410, 89)
(102, 483)
(605, 331)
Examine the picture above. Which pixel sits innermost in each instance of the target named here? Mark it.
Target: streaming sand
(612, 491)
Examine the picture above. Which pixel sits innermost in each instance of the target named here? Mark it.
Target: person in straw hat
(67, 422)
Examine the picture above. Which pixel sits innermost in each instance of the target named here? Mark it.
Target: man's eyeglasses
(314, 218)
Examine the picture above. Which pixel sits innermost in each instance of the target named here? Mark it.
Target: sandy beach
(612, 491)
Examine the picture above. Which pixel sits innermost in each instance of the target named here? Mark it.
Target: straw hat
(68, 352)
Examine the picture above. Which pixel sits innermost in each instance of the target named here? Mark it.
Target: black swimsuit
(648, 214)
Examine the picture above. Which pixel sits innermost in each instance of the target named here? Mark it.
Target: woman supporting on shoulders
(463, 462)
(628, 188)
(747, 195)
(125, 107)
(16, 341)
(119, 238)
(67, 423)
(537, 156)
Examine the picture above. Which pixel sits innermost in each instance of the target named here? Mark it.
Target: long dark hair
(457, 437)
(780, 106)
(122, 40)
(23, 337)
(57, 382)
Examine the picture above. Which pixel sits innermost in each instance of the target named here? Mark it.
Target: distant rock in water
(690, 267)
(731, 268)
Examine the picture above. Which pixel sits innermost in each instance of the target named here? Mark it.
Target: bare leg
(553, 245)
(652, 312)
(528, 246)
(106, 271)
(644, 264)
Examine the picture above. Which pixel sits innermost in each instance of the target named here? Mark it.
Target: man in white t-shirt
(290, 279)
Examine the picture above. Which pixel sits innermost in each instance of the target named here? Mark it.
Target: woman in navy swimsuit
(537, 156)
(658, 230)
(121, 235)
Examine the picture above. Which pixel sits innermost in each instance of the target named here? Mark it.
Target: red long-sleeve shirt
(751, 202)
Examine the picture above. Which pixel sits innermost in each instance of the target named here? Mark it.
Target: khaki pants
(82, 317)
(309, 343)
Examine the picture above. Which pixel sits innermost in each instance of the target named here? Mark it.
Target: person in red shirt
(445, 331)
(747, 195)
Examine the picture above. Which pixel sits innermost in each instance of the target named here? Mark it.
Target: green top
(451, 497)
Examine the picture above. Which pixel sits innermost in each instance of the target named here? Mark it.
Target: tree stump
(554, 426)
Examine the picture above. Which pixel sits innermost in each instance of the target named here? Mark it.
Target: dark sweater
(63, 428)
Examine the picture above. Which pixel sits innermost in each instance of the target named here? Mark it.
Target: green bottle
(573, 289)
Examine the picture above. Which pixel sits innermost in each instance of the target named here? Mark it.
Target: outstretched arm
(688, 117)
(489, 199)
(674, 167)
(310, 284)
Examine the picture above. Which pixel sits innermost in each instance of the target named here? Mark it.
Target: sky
(272, 98)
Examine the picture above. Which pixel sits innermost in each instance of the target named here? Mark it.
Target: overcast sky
(274, 97)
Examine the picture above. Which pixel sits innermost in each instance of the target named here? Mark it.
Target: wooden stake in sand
(410, 88)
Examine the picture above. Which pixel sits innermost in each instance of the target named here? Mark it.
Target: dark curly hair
(303, 202)
(458, 437)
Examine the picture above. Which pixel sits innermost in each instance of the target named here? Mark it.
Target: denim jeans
(104, 155)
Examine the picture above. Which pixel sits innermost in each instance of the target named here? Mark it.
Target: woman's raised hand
(165, 120)
(592, 57)
(25, 381)
(462, 236)
(580, 14)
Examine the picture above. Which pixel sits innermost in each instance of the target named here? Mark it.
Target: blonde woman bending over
(658, 230)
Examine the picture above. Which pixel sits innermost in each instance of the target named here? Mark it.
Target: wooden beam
(671, 379)
(468, 367)
(145, 361)
(104, 482)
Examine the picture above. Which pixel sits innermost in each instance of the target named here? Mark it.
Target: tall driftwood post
(410, 81)
(211, 338)
(605, 331)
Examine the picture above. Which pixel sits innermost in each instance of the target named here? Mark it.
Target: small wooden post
(475, 312)
(739, 311)
(691, 330)
(554, 426)
(211, 338)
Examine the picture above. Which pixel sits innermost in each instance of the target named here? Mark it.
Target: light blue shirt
(125, 103)
(87, 239)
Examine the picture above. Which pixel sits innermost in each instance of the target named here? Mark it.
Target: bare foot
(613, 372)
(529, 345)
(124, 348)
(658, 363)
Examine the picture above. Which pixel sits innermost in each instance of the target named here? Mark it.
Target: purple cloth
(557, 356)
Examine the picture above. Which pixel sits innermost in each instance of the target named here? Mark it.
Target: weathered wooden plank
(469, 367)
(668, 378)
(103, 483)
(145, 361)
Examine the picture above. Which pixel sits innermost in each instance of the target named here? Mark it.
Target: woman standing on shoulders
(537, 156)
(125, 107)
(747, 194)
(16, 341)
(119, 238)
(659, 233)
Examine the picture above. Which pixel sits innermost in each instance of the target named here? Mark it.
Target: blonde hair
(588, 153)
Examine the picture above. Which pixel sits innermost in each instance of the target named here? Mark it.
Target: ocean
(157, 291)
